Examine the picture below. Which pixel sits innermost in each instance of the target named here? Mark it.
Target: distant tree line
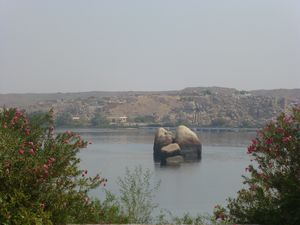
(99, 120)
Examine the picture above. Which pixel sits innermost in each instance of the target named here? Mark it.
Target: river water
(192, 187)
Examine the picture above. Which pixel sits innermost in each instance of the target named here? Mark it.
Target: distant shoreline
(205, 129)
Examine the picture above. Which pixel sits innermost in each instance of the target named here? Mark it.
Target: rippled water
(192, 187)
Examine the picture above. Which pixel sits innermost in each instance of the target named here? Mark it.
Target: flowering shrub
(272, 195)
(41, 182)
(220, 213)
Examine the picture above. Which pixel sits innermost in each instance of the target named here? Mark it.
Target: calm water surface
(192, 187)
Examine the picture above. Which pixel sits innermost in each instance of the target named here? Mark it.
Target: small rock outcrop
(189, 143)
(169, 151)
(186, 146)
(162, 138)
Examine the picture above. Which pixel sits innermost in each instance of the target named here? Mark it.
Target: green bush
(199, 219)
(188, 219)
(137, 192)
(272, 195)
(41, 182)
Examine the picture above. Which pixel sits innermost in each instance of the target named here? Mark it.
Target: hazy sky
(64, 46)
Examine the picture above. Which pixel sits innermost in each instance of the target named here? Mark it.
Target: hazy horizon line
(89, 91)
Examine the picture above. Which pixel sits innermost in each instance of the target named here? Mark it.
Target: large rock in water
(168, 151)
(189, 142)
(162, 138)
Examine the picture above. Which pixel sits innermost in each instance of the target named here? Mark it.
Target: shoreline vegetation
(192, 107)
(104, 123)
(67, 123)
(42, 183)
(205, 129)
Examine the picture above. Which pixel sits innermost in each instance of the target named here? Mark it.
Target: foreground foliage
(272, 195)
(136, 195)
(41, 182)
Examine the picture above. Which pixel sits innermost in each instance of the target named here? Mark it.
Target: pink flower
(269, 141)
(84, 173)
(287, 139)
(254, 142)
(287, 119)
(21, 151)
(19, 113)
(31, 151)
(251, 149)
(30, 143)
(280, 130)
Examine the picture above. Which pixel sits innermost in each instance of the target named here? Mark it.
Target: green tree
(99, 120)
(144, 119)
(64, 120)
(272, 195)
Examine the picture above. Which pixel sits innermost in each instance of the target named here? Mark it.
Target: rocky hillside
(198, 106)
